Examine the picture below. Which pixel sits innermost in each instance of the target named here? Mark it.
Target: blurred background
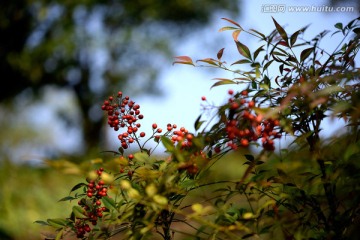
(60, 59)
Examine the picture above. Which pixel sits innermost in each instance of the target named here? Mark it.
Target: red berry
(101, 182)
(203, 98)
(131, 156)
(154, 126)
(231, 92)
(244, 142)
(234, 106)
(142, 134)
(251, 104)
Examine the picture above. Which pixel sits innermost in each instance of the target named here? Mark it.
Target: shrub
(307, 190)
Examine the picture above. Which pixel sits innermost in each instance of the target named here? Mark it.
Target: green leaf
(242, 61)
(68, 198)
(79, 212)
(293, 37)
(267, 65)
(356, 30)
(168, 144)
(57, 222)
(306, 53)
(281, 31)
(227, 28)
(253, 85)
(249, 157)
(109, 203)
(42, 223)
(243, 50)
(59, 235)
(197, 123)
(257, 51)
(339, 26)
(223, 82)
(259, 33)
(77, 186)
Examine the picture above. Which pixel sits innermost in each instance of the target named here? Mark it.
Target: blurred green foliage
(28, 193)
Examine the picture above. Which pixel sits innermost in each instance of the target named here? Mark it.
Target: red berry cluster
(81, 228)
(124, 113)
(244, 125)
(96, 189)
(181, 136)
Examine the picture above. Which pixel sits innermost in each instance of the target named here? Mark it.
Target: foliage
(308, 190)
(26, 194)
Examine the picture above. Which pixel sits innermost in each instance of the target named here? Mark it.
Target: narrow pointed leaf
(257, 51)
(59, 235)
(258, 33)
(236, 34)
(79, 212)
(42, 223)
(57, 222)
(281, 31)
(184, 60)
(109, 203)
(220, 53)
(242, 61)
(243, 50)
(306, 53)
(68, 198)
(233, 22)
(210, 61)
(294, 36)
(77, 186)
(267, 65)
(198, 123)
(223, 82)
(227, 28)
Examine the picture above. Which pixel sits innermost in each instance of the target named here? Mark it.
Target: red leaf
(183, 60)
(220, 53)
(233, 22)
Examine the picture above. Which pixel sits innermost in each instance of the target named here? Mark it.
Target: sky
(184, 85)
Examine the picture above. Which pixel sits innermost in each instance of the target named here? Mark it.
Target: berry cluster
(92, 206)
(124, 113)
(244, 125)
